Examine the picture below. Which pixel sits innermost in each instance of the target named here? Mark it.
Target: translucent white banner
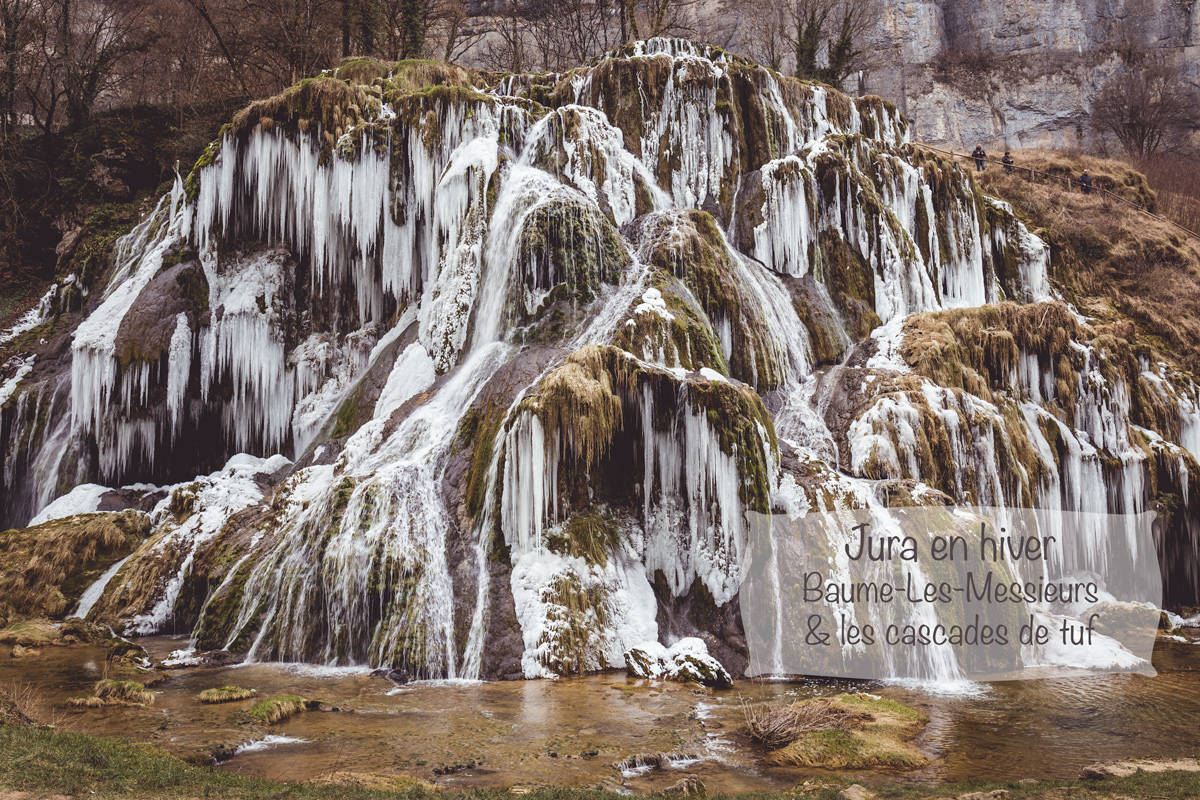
(950, 593)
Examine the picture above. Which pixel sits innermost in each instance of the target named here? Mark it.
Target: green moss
(693, 249)
(583, 399)
(221, 611)
(569, 244)
(101, 229)
(739, 419)
(850, 281)
(477, 432)
(685, 339)
(347, 421)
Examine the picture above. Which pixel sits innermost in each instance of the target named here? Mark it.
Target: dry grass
(225, 694)
(1176, 181)
(1061, 170)
(44, 570)
(114, 693)
(845, 732)
(1116, 264)
(274, 710)
(22, 704)
(778, 726)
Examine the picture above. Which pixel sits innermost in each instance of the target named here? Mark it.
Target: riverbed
(572, 732)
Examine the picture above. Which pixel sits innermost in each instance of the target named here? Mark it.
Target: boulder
(686, 661)
(691, 785)
(855, 792)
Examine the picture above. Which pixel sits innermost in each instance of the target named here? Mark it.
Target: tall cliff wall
(1019, 73)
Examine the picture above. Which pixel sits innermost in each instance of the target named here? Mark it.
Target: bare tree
(453, 29)
(820, 40)
(90, 40)
(767, 31)
(201, 7)
(18, 19)
(506, 49)
(1148, 106)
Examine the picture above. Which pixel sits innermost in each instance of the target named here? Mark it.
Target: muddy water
(571, 732)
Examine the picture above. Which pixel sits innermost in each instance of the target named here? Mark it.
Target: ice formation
(536, 350)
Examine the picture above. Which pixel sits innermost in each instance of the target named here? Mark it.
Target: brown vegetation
(109, 692)
(1117, 264)
(45, 569)
(1176, 182)
(778, 726)
(225, 694)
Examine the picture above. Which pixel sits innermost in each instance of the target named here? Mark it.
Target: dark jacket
(1085, 181)
(979, 153)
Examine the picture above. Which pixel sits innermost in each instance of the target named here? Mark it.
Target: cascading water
(465, 362)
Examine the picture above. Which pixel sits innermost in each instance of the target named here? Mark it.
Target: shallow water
(571, 732)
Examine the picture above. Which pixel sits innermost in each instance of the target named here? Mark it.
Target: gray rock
(855, 792)
(691, 785)
(995, 794)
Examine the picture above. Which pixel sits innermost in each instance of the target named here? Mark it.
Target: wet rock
(995, 794)
(21, 652)
(643, 761)
(855, 792)
(686, 661)
(1131, 624)
(111, 173)
(691, 785)
(76, 629)
(449, 769)
(66, 247)
(32, 633)
(396, 676)
(126, 652)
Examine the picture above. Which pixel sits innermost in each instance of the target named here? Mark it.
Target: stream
(572, 731)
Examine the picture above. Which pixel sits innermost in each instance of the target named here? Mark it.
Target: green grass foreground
(44, 762)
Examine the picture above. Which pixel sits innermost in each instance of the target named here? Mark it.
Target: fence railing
(1069, 181)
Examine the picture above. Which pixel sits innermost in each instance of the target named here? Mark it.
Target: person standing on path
(1007, 161)
(1085, 182)
(979, 155)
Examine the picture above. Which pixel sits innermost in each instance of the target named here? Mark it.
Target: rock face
(1017, 73)
(469, 378)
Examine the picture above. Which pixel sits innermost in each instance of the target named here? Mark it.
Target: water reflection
(571, 732)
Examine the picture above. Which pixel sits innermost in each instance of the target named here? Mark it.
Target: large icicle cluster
(452, 354)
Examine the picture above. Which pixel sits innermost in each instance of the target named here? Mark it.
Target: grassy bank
(44, 762)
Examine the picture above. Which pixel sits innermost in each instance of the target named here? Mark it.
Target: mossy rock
(30, 633)
(274, 710)
(571, 244)
(146, 330)
(44, 570)
(690, 246)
